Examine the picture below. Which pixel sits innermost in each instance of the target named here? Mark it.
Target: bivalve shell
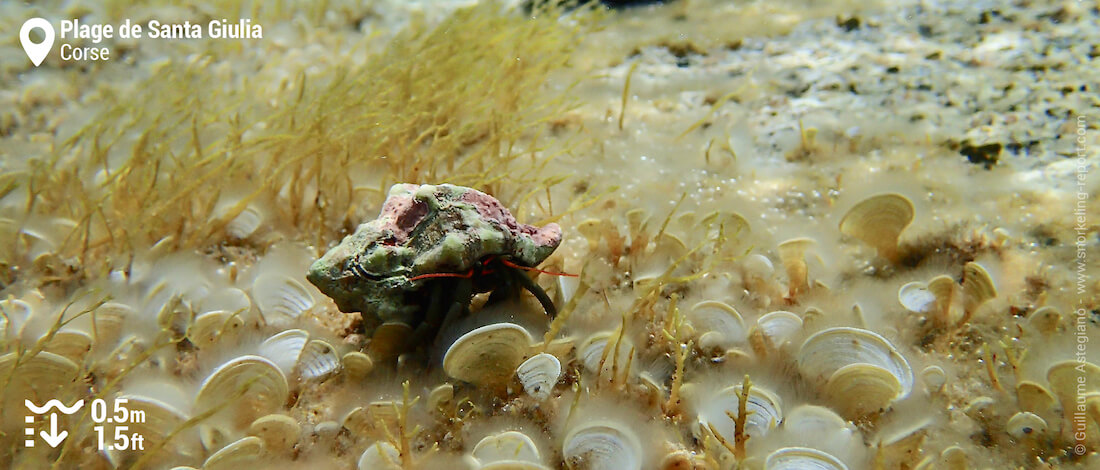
(802, 458)
(538, 375)
(827, 351)
(278, 432)
(250, 383)
(244, 453)
(284, 349)
(721, 318)
(278, 296)
(318, 361)
(509, 449)
(1025, 424)
(764, 409)
(380, 456)
(488, 355)
(862, 389)
(602, 446)
(879, 221)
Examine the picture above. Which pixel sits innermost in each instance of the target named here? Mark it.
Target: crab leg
(535, 290)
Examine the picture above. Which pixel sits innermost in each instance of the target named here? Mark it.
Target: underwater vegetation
(747, 289)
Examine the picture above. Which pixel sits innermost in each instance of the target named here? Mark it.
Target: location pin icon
(37, 52)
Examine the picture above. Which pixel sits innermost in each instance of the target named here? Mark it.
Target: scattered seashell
(244, 453)
(278, 295)
(802, 458)
(602, 446)
(601, 347)
(773, 330)
(977, 287)
(1025, 424)
(916, 297)
(245, 223)
(862, 389)
(13, 315)
(357, 365)
(488, 355)
(284, 349)
(380, 456)
(878, 221)
(1035, 398)
(793, 255)
(44, 373)
(72, 344)
(509, 449)
(278, 432)
(954, 458)
(389, 339)
(721, 318)
(358, 421)
(764, 410)
(161, 418)
(253, 383)
(318, 361)
(934, 377)
(826, 351)
(1048, 320)
(538, 375)
(441, 396)
(209, 326)
(107, 322)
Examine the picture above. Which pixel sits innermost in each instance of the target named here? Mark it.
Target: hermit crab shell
(850, 362)
(424, 229)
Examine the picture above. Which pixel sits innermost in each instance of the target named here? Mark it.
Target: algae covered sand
(844, 234)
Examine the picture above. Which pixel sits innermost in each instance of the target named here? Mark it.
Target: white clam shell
(13, 315)
(916, 297)
(827, 351)
(245, 223)
(72, 344)
(244, 453)
(161, 418)
(779, 327)
(380, 456)
(248, 382)
(538, 375)
(802, 458)
(318, 361)
(879, 221)
(764, 408)
(602, 446)
(279, 432)
(860, 389)
(278, 295)
(488, 355)
(601, 346)
(209, 327)
(285, 348)
(357, 365)
(509, 447)
(1024, 424)
(43, 373)
(719, 317)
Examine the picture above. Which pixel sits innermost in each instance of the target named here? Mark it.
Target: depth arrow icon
(53, 438)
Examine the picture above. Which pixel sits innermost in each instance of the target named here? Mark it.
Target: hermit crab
(429, 252)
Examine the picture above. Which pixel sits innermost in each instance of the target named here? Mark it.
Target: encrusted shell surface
(602, 446)
(423, 229)
(538, 374)
(488, 355)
